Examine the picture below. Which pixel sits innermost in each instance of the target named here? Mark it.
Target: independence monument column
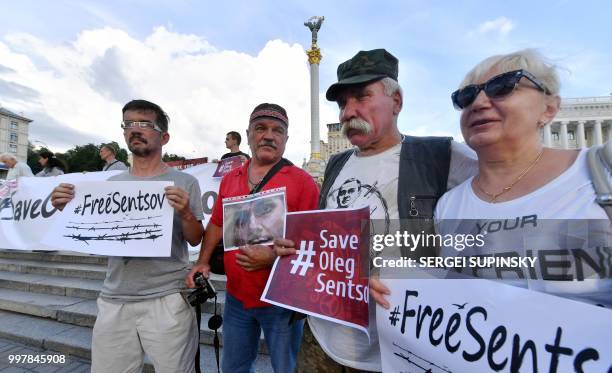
(316, 165)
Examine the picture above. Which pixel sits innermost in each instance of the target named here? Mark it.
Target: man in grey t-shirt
(141, 309)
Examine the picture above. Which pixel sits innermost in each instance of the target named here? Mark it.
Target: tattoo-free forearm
(213, 235)
(192, 230)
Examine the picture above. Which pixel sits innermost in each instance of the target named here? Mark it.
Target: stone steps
(48, 300)
(72, 287)
(54, 256)
(76, 340)
(72, 270)
(55, 285)
(75, 270)
(78, 311)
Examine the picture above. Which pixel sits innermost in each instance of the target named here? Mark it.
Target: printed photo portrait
(256, 220)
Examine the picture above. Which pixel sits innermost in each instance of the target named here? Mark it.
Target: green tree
(84, 158)
(33, 158)
(172, 157)
(78, 159)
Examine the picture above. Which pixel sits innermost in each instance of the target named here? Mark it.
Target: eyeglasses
(497, 87)
(126, 125)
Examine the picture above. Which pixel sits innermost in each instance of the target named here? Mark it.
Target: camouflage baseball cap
(364, 67)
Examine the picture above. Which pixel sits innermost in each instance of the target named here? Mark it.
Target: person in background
(108, 155)
(51, 165)
(232, 142)
(16, 168)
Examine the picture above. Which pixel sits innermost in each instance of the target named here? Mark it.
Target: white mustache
(358, 124)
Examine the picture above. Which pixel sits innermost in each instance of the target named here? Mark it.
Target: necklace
(254, 184)
(494, 196)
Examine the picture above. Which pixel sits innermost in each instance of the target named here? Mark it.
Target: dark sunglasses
(497, 87)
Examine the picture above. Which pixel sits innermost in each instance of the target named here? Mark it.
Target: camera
(204, 291)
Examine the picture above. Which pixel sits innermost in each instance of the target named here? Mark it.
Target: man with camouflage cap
(400, 177)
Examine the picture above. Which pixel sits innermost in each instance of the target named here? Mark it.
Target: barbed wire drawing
(121, 230)
(149, 234)
(419, 361)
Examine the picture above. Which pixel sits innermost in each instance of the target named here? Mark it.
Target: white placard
(26, 214)
(481, 326)
(209, 186)
(117, 218)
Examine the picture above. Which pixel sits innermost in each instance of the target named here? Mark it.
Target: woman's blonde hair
(526, 59)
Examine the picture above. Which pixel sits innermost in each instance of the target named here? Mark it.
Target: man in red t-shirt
(247, 269)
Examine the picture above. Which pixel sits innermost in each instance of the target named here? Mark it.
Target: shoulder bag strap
(280, 164)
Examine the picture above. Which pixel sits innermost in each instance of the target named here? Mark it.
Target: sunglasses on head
(497, 87)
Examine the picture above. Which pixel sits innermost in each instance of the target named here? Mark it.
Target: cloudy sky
(71, 64)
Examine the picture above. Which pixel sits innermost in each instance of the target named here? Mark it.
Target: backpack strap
(424, 169)
(109, 166)
(599, 159)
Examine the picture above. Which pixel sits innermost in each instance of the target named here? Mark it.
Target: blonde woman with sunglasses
(505, 101)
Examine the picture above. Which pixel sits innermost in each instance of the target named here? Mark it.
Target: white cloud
(583, 72)
(207, 92)
(501, 25)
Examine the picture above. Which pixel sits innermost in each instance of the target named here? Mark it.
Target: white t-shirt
(372, 181)
(20, 169)
(568, 196)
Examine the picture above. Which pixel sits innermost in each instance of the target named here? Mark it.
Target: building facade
(336, 142)
(14, 131)
(581, 122)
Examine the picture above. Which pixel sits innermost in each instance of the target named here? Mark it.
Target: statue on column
(314, 24)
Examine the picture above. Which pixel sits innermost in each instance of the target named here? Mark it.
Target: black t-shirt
(227, 155)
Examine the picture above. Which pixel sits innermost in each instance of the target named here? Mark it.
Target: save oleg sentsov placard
(325, 278)
(117, 218)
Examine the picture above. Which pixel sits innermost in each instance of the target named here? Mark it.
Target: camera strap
(216, 338)
(198, 311)
(213, 323)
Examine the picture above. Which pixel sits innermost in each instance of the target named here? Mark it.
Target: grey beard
(356, 124)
